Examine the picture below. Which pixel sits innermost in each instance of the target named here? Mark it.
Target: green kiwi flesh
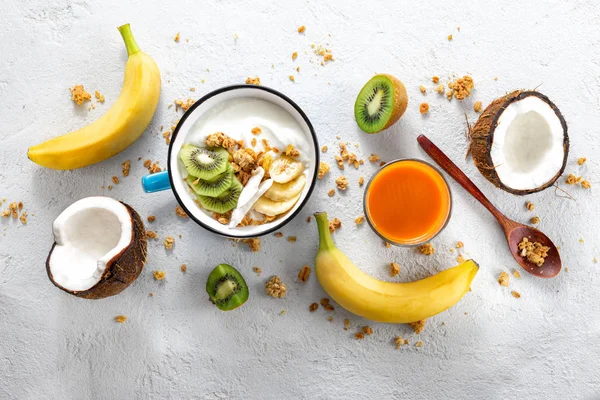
(224, 202)
(212, 187)
(204, 162)
(375, 104)
(226, 287)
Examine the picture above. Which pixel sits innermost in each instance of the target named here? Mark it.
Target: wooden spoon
(514, 231)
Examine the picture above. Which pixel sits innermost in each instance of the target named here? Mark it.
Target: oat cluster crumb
(419, 344)
(449, 37)
(275, 288)
(418, 326)
(334, 225)
(359, 220)
(342, 183)
(278, 234)
(184, 104)
(424, 108)
(168, 242)
(440, 89)
(183, 268)
(535, 220)
(152, 167)
(460, 245)
(516, 274)
(257, 270)
(253, 81)
(477, 107)
(516, 294)
(349, 157)
(367, 330)
(159, 275)
(346, 324)
(301, 29)
(374, 158)
(394, 269)
(530, 206)
(151, 218)
(426, 249)
(581, 160)
(423, 89)
(177, 37)
(586, 184)
(294, 55)
(535, 252)
(120, 319)
(151, 235)
(461, 87)
(504, 279)
(125, 166)
(291, 239)
(304, 273)
(323, 169)
(180, 212)
(79, 94)
(361, 181)
(387, 245)
(435, 79)
(292, 78)
(331, 192)
(324, 149)
(400, 341)
(313, 307)
(291, 151)
(253, 243)
(13, 211)
(359, 335)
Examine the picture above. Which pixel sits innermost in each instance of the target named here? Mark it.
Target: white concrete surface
(176, 345)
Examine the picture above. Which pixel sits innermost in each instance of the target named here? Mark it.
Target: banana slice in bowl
(285, 169)
(286, 191)
(273, 208)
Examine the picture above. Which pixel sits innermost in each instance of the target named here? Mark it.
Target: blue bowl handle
(156, 182)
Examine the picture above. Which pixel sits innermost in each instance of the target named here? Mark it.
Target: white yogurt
(236, 118)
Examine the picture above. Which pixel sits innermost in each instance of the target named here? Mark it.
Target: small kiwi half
(204, 162)
(212, 187)
(224, 202)
(226, 287)
(380, 103)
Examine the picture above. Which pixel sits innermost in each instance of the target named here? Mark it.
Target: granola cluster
(535, 252)
(274, 287)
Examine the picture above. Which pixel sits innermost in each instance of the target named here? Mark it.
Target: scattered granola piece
(184, 104)
(440, 88)
(367, 330)
(23, 218)
(530, 206)
(79, 95)
(571, 179)
(253, 81)
(159, 275)
(253, 243)
(169, 241)
(324, 149)
(256, 130)
(278, 234)
(192, 89)
(115, 180)
(301, 29)
(423, 89)
(394, 269)
(257, 270)
(292, 78)
(120, 319)
(167, 136)
(426, 249)
(361, 181)
(581, 160)
(109, 187)
(6, 213)
(515, 294)
(435, 79)
(334, 225)
(291, 239)
(462, 87)
(503, 279)
(147, 163)
(329, 307)
(331, 192)
(535, 252)
(126, 165)
(516, 274)
(359, 335)
(177, 37)
(418, 326)
(477, 107)
(535, 220)
(374, 157)
(424, 108)
(151, 235)
(419, 344)
(359, 220)
(180, 212)
(99, 97)
(449, 37)
(400, 341)
(313, 307)
(292, 151)
(183, 268)
(586, 184)
(387, 245)
(275, 288)
(304, 273)
(342, 183)
(346, 324)
(324, 301)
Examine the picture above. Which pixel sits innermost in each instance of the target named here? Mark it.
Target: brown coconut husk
(122, 270)
(482, 137)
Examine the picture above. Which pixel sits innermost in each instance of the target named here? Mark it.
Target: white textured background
(176, 344)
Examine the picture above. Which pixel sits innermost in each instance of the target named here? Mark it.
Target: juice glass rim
(365, 208)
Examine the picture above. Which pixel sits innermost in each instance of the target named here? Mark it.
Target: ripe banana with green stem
(122, 124)
(382, 301)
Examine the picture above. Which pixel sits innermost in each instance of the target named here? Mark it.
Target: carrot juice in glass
(407, 202)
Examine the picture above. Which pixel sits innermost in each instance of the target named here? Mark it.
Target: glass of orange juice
(407, 202)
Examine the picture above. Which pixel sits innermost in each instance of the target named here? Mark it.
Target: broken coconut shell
(522, 179)
(121, 269)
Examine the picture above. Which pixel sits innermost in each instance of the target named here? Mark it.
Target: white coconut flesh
(527, 149)
(88, 235)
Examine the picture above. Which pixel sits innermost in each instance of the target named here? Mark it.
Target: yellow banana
(381, 301)
(122, 125)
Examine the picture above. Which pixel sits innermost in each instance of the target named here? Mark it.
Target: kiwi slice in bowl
(380, 103)
(212, 187)
(204, 162)
(226, 288)
(224, 202)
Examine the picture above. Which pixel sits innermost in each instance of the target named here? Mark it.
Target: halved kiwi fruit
(204, 162)
(224, 202)
(226, 287)
(380, 103)
(212, 187)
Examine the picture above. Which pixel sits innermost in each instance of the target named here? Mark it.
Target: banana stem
(325, 240)
(130, 44)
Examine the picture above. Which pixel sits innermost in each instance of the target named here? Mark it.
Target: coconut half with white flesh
(520, 142)
(99, 248)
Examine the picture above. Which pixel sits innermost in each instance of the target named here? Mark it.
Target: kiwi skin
(400, 100)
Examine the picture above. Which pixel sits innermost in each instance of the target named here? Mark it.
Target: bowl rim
(306, 120)
(450, 200)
